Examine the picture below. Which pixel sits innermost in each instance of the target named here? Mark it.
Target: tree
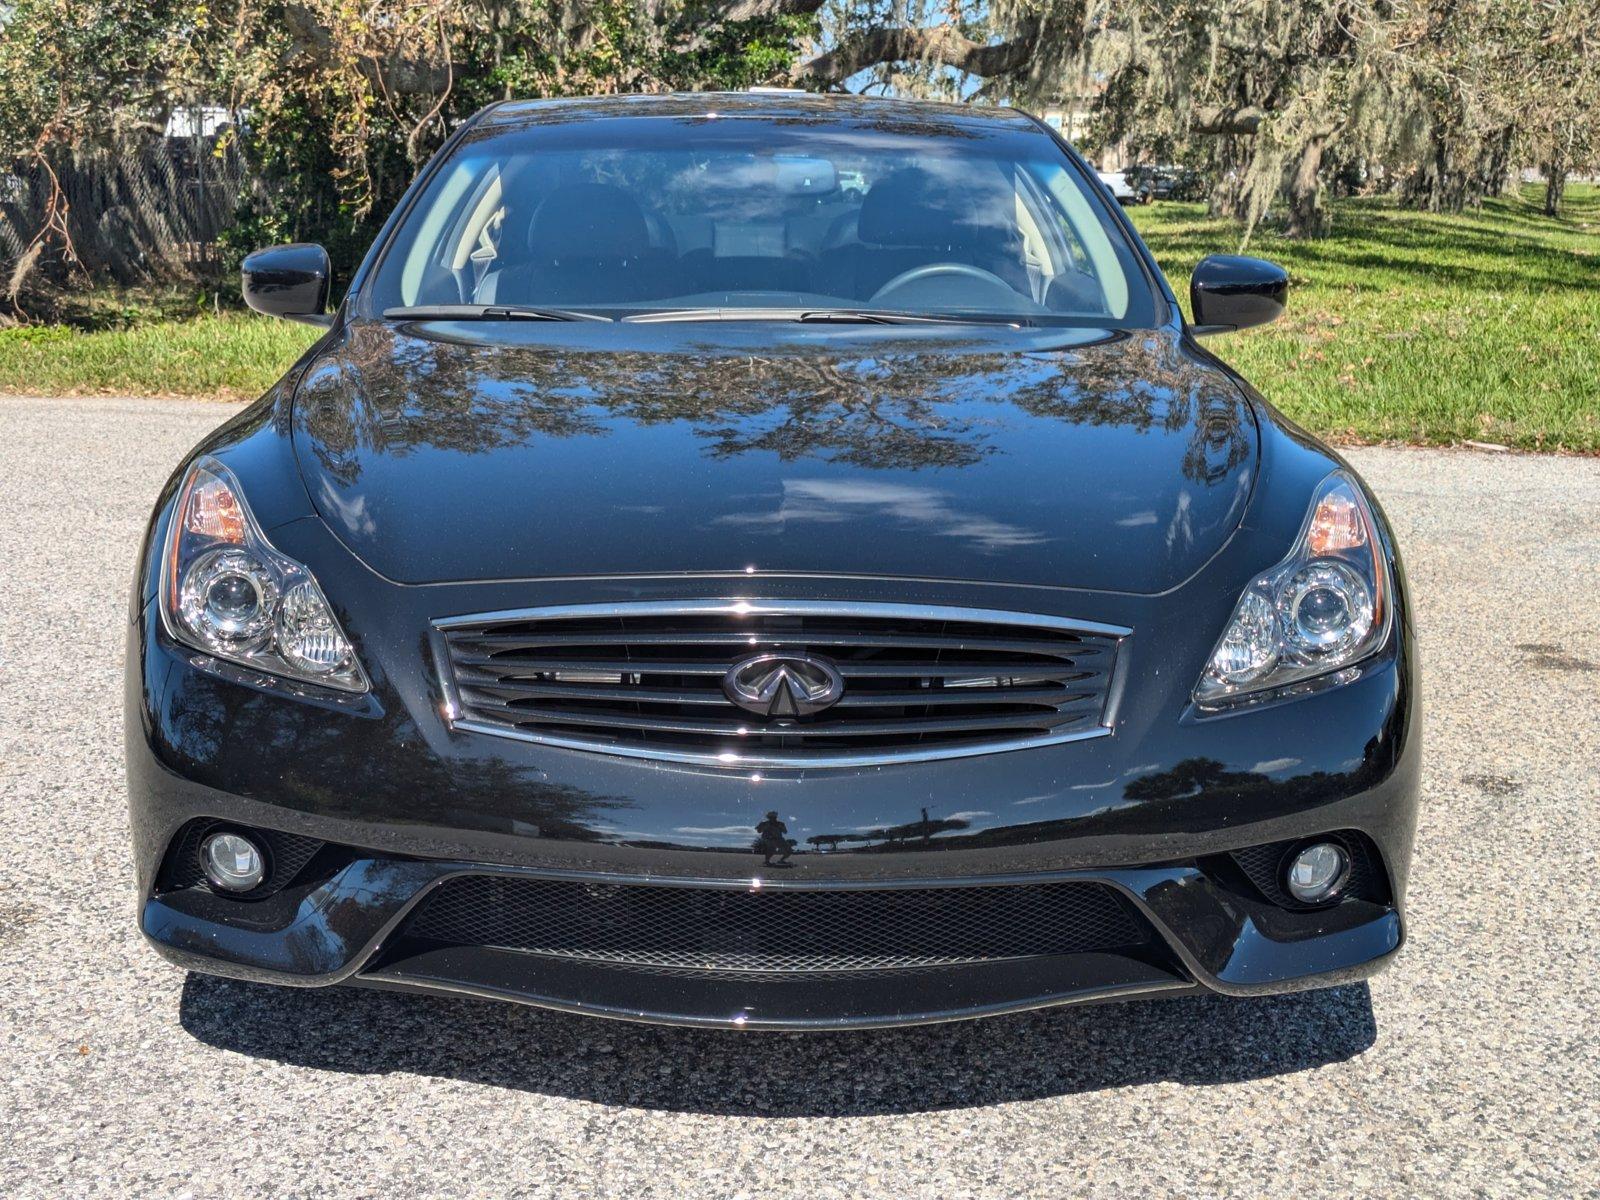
(74, 76)
(344, 98)
(1271, 92)
(1439, 99)
(946, 48)
(1554, 52)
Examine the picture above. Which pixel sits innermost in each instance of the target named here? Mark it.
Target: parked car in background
(1122, 188)
(1167, 182)
(797, 569)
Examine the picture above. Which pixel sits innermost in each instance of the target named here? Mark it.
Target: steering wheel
(935, 270)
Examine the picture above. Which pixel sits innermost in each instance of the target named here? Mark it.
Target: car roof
(904, 116)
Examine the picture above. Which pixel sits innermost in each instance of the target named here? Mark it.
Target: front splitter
(847, 1000)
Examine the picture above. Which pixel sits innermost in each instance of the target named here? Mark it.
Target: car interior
(741, 229)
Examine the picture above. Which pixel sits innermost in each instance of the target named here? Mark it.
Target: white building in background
(201, 120)
(1072, 118)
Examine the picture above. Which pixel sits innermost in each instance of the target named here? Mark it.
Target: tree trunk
(1498, 171)
(1426, 189)
(1307, 217)
(1555, 187)
(1225, 199)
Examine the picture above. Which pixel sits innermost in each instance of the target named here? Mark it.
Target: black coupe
(769, 561)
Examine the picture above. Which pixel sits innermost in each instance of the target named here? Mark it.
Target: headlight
(1320, 610)
(227, 591)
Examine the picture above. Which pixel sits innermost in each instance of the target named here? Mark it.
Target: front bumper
(350, 926)
(1165, 855)
(412, 803)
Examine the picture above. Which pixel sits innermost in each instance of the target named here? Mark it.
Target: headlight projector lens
(232, 862)
(1317, 873)
(1325, 608)
(228, 598)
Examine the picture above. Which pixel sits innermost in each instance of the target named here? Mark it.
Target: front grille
(775, 931)
(647, 679)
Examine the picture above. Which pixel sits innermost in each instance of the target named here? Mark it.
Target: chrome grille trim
(487, 671)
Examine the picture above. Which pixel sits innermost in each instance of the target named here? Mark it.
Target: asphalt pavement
(1471, 1067)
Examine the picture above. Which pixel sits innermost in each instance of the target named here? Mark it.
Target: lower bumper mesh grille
(710, 929)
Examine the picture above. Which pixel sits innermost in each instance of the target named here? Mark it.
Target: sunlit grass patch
(1422, 327)
(231, 356)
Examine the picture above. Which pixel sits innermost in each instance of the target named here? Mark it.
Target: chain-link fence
(151, 210)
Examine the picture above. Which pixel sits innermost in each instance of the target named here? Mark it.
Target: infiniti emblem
(783, 685)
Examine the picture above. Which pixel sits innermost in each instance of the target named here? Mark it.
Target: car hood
(475, 451)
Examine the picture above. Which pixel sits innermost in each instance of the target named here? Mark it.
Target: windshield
(642, 215)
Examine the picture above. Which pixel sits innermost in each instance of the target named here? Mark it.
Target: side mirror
(289, 281)
(1230, 291)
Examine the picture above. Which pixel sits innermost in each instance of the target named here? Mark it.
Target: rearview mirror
(289, 281)
(798, 175)
(1230, 291)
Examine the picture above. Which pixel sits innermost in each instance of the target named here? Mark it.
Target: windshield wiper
(487, 312)
(881, 316)
(840, 316)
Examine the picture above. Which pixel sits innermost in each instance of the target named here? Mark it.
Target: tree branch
(309, 37)
(694, 29)
(944, 44)
(754, 10)
(1216, 122)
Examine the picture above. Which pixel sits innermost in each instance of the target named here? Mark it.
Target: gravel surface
(1470, 1068)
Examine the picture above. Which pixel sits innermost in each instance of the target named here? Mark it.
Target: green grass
(1407, 326)
(229, 356)
(1402, 326)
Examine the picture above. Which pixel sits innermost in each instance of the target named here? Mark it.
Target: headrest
(912, 207)
(588, 220)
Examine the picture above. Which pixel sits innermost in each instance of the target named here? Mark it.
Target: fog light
(232, 862)
(1318, 872)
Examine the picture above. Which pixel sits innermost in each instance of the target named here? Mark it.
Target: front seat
(588, 243)
(910, 219)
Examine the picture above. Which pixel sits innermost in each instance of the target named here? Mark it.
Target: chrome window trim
(748, 607)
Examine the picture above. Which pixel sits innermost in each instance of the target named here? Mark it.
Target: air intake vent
(823, 684)
(776, 931)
